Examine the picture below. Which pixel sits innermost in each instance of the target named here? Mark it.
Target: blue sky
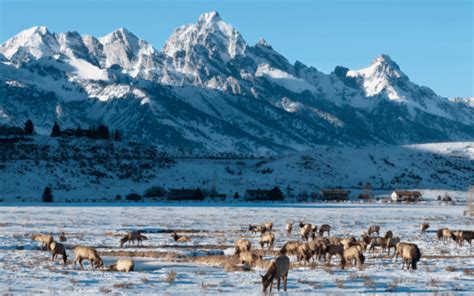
(432, 41)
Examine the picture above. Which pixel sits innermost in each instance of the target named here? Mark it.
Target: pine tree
(47, 194)
(29, 128)
(56, 131)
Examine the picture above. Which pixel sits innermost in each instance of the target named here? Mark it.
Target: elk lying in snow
(249, 258)
(392, 243)
(388, 234)
(278, 269)
(290, 248)
(180, 238)
(58, 249)
(289, 228)
(373, 229)
(410, 254)
(44, 239)
(267, 239)
(242, 245)
(62, 237)
(424, 226)
(122, 265)
(352, 253)
(86, 253)
(325, 228)
(305, 231)
(132, 237)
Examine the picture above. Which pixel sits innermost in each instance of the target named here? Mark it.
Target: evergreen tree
(29, 128)
(236, 195)
(275, 194)
(117, 136)
(56, 131)
(47, 194)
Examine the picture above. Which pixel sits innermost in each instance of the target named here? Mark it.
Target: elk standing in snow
(278, 269)
(86, 253)
(325, 228)
(58, 249)
(44, 239)
(410, 254)
(424, 226)
(242, 245)
(131, 237)
(374, 229)
(267, 239)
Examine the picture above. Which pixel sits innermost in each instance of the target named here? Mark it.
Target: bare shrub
(468, 271)
(145, 280)
(450, 268)
(105, 290)
(340, 283)
(368, 282)
(123, 285)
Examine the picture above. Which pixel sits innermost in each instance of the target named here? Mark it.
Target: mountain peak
(209, 17)
(41, 30)
(263, 42)
(119, 34)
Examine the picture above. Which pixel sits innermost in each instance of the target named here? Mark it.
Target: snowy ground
(26, 269)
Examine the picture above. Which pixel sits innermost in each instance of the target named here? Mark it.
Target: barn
(406, 195)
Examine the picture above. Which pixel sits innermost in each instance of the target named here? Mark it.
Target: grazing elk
(352, 253)
(439, 233)
(318, 248)
(180, 238)
(122, 265)
(44, 239)
(242, 245)
(424, 226)
(447, 234)
(325, 228)
(464, 235)
(304, 253)
(289, 228)
(58, 249)
(377, 242)
(86, 253)
(250, 258)
(254, 229)
(290, 248)
(410, 254)
(131, 237)
(267, 239)
(278, 269)
(374, 229)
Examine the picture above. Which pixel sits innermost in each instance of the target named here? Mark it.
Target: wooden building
(334, 194)
(406, 195)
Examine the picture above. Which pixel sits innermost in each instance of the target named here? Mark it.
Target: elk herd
(313, 244)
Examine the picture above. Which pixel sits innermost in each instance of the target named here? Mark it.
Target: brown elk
(180, 238)
(122, 265)
(305, 231)
(332, 250)
(464, 235)
(290, 248)
(373, 229)
(392, 244)
(131, 237)
(304, 252)
(242, 245)
(250, 258)
(278, 269)
(254, 229)
(410, 254)
(352, 253)
(388, 234)
(62, 237)
(44, 239)
(58, 249)
(268, 239)
(424, 226)
(289, 228)
(377, 242)
(325, 228)
(87, 254)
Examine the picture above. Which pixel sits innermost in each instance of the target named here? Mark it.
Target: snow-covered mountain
(210, 91)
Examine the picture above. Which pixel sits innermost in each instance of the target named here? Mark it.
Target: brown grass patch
(170, 277)
(123, 286)
(105, 290)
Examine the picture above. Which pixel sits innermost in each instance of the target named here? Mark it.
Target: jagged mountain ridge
(209, 91)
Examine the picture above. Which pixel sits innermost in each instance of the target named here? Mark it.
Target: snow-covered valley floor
(198, 265)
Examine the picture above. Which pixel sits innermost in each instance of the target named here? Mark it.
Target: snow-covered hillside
(95, 169)
(209, 91)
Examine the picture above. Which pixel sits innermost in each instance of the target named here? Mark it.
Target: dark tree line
(102, 131)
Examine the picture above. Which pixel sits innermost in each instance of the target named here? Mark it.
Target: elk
(44, 239)
(424, 226)
(131, 237)
(439, 233)
(290, 248)
(464, 235)
(289, 228)
(122, 265)
(180, 238)
(249, 258)
(377, 242)
(267, 239)
(254, 229)
(352, 253)
(242, 245)
(267, 227)
(62, 237)
(87, 254)
(388, 234)
(58, 249)
(392, 243)
(318, 248)
(278, 269)
(332, 250)
(325, 228)
(305, 231)
(373, 229)
(447, 234)
(304, 252)
(410, 254)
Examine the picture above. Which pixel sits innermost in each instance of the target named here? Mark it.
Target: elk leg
(278, 283)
